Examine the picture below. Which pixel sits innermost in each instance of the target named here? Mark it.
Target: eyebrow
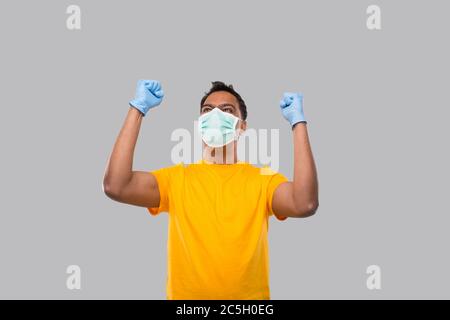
(220, 105)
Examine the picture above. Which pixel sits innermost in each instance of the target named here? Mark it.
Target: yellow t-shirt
(218, 224)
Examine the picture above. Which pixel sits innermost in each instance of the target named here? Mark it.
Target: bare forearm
(119, 167)
(305, 185)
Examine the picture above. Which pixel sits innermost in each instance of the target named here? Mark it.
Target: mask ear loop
(237, 132)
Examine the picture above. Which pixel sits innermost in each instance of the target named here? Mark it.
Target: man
(218, 207)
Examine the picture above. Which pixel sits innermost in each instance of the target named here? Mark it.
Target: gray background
(378, 116)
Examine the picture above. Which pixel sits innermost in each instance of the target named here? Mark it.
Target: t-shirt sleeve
(163, 179)
(274, 181)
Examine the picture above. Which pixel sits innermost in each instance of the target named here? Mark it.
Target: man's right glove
(148, 95)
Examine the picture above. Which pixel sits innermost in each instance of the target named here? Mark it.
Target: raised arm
(120, 182)
(298, 198)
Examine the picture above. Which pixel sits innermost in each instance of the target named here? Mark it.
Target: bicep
(142, 190)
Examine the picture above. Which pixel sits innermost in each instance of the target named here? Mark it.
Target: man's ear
(243, 125)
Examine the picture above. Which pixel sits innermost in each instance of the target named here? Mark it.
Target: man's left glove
(292, 107)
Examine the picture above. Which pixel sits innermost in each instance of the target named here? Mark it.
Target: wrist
(135, 112)
(136, 105)
(297, 118)
(298, 124)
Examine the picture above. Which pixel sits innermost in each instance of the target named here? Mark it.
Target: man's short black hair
(220, 86)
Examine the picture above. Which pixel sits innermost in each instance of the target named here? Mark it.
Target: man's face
(226, 102)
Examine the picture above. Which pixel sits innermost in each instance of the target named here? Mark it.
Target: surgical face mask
(217, 128)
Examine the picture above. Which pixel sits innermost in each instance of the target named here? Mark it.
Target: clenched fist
(292, 107)
(148, 95)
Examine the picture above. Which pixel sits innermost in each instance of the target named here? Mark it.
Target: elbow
(312, 208)
(110, 190)
(307, 211)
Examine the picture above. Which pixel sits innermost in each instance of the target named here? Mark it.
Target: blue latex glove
(148, 95)
(292, 107)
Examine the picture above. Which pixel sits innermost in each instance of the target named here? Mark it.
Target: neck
(222, 155)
